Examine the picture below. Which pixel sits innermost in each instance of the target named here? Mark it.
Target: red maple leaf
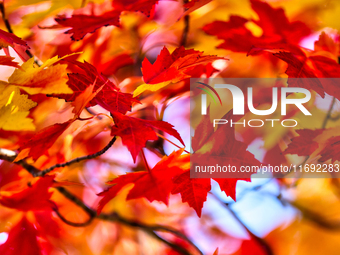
(331, 150)
(303, 145)
(110, 98)
(136, 132)
(155, 184)
(278, 31)
(8, 39)
(224, 150)
(144, 6)
(8, 61)
(301, 66)
(194, 191)
(82, 24)
(33, 198)
(28, 236)
(39, 144)
(173, 66)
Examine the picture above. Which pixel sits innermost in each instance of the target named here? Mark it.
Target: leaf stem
(171, 142)
(145, 162)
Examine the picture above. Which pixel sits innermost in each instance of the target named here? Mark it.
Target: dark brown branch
(172, 245)
(77, 160)
(10, 30)
(186, 28)
(10, 157)
(113, 217)
(77, 201)
(4, 18)
(73, 224)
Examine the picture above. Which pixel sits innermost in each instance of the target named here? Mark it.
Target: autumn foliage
(95, 141)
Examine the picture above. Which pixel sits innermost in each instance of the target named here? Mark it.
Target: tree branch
(10, 30)
(329, 113)
(186, 28)
(73, 224)
(112, 217)
(77, 160)
(259, 240)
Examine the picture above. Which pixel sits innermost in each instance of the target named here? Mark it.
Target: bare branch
(73, 224)
(259, 240)
(113, 217)
(10, 30)
(186, 28)
(77, 160)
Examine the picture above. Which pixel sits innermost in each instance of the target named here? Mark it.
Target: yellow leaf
(46, 79)
(14, 109)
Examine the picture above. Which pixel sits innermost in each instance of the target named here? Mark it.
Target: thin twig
(77, 160)
(329, 113)
(163, 137)
(259, 240)
(4, 18)
(10, 30)
(186, 28)
(71, 223)
(172, 245)
(10, 157)
(145, 162)
(113, 217)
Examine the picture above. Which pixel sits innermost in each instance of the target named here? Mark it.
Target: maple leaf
(14, 109)
(46, 79)
(331, 150)
(28, 236)
(8, 39)
(301, 66)
(115, 63)
(194, 191)
(155, 184)
(109, 97)
(326, 43)
(221, 148)
(170, 68)
(45, 138)
(39, 144)
(303, 145)
(33, 198)
(144, 6)
(82, 24)
(278, 31)
(136, 132)
(8, 61)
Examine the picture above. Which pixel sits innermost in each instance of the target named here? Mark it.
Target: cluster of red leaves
(171, 175)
